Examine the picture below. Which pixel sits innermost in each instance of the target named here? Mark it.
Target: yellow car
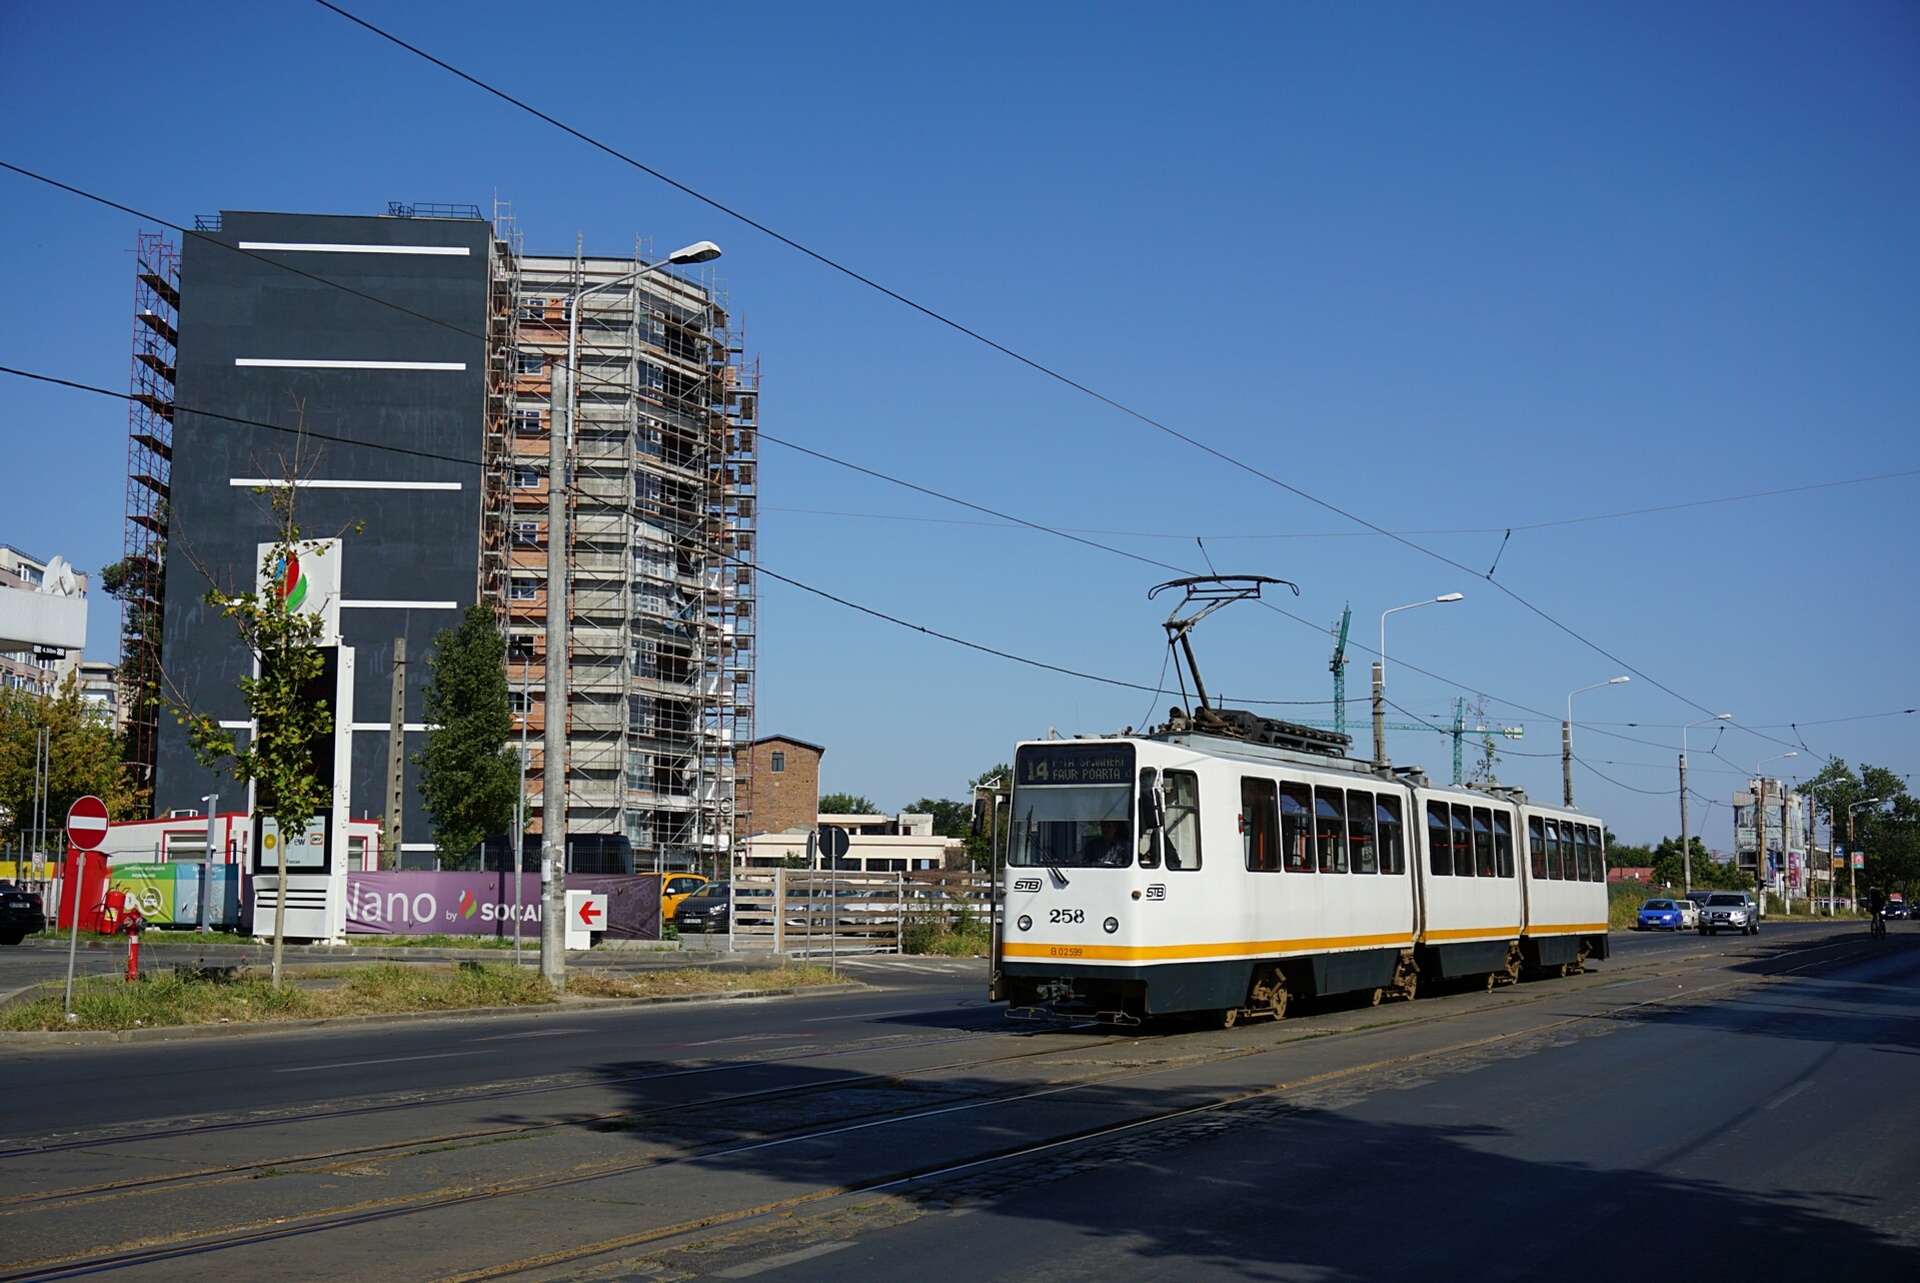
(674, 888)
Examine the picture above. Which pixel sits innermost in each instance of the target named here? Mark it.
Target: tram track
(204, 1241)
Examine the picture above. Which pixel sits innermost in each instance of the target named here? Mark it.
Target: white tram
(1186, 871)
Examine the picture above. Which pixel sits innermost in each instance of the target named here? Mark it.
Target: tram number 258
(1067, 915)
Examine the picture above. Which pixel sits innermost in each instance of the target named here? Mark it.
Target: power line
(1011, 353)
(1363, 534)
(1058, 532)
(474, 463)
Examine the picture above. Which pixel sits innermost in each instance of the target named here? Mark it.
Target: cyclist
(1876, 905)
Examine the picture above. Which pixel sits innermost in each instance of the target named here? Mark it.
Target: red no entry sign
(87, 824)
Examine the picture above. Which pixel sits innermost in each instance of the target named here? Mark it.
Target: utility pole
(1566, 763)
(520, 814)
(1760, 845)
(553, 805)
(396, 754)
(1686, 845)
(1379, 717)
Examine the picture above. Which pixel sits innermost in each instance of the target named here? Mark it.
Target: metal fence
(816, 913)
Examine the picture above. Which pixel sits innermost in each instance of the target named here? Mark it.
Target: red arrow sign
(588, 912)
(87, 824)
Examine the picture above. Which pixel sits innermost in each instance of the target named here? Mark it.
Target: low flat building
(903, 843)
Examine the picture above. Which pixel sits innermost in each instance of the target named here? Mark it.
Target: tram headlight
(1025, 923)
(1111, 925)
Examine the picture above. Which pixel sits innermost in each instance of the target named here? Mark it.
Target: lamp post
(1380, 675)
(553, 811)
(1760, 831)
(1566, 738)
(1686, 848)
(1853, 899)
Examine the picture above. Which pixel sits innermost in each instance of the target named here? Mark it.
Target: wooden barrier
(812, 913)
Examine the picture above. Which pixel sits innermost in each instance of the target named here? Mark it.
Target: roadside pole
(76, 869)
(206, 870)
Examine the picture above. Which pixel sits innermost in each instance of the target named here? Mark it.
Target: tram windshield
(1072, 827)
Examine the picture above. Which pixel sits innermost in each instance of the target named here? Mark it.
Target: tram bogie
(1188, 872)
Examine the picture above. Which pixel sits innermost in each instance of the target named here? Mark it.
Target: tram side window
(1296, 828)
(1553, 851)
(1503, 843)
(1330, 829)
(1439, 840)
(1583, 852)
(1147, 847)
(1598, 846)
(1462, 842)
(1182, 840)
(1393, 836)
(1360, 827)
(1536, 847)
(1258, 825)
(1483, 841)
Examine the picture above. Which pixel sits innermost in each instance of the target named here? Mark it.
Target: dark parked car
(21, 914)
(1896, 910)
(707, 909)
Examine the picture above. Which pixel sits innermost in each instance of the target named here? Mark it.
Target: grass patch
(964, 939)
(372, 990)
(694, 980)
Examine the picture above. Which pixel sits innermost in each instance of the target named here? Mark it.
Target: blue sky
(1451, 268)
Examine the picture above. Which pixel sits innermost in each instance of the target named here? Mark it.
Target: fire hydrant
(134, 923)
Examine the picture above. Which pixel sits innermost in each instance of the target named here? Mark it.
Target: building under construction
(661, 520)
(661, 505)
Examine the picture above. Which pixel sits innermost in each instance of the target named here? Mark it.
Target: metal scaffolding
(661, 520)
(156, 317)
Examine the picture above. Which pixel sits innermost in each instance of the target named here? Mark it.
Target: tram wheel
(1228, 1017)
(1378, 994)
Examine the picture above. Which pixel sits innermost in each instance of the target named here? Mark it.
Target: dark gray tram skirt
(1164, 988)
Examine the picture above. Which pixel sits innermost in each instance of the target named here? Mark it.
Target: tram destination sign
(1074, 763)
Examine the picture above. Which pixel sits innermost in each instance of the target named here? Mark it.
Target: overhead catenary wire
(584, 378)
(1031, 363)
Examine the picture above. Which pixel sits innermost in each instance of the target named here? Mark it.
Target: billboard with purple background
(481, 904)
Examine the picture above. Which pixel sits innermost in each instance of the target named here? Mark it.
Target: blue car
(1661, 915)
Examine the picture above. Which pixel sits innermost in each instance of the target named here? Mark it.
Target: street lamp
(1853, 901)
(553, 812)
(1686, 848)
(1380, 675)
(1566, 738)
(1760, 828)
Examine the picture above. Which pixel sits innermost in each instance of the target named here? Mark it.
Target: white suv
(1730, 911)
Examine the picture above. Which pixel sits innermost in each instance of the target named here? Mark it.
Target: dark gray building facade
(371, 335)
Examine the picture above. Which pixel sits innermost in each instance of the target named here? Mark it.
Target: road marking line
(354, 1064)
(764, 1264)
(871, 1015)
(1788, 1094)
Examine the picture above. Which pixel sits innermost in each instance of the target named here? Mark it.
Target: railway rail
(1064, 1079)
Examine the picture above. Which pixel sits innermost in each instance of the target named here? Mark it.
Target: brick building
(786, 783)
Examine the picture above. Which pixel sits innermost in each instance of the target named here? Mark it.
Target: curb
(564, 1006)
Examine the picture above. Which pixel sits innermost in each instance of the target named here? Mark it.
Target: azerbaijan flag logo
(293, 583)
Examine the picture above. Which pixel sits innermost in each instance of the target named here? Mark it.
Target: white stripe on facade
(399, 605)
(295, 363)
(265, 482)
(307, 247)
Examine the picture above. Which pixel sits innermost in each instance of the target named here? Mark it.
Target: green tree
(85, 757)
(469, 776)
(847, 804)
(292, 725)
(951, 819)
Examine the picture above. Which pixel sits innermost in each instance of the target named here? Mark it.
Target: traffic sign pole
(87, 825)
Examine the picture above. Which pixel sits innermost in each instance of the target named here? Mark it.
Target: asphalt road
(1725, 1108)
